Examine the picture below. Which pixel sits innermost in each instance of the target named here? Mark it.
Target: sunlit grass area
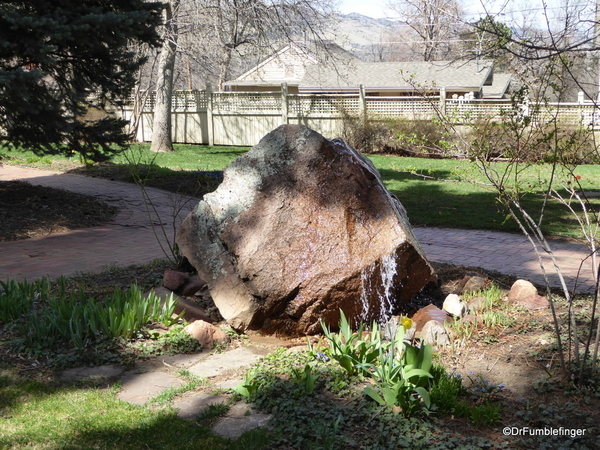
(185, 157)
(37, 416)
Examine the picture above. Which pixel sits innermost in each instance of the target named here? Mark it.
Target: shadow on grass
(233, 153)
(81, 416)
(194, 183)
(445, 204)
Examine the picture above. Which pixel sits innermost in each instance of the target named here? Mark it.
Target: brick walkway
(508, 253)
(129, 238)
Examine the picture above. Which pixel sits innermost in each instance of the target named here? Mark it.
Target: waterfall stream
(381, 285)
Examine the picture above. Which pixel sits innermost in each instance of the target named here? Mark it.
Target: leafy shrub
(398, 137)
(178, 341)
(399, 370)
(446, 391)
(366, 136)
(403, 375)
(420, 138)
(533, 143)
(486, 414)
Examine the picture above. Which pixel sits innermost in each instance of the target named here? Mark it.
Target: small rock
(544, 341)
(206, 334)
(471, 318)
(430, 312)
(534, 302)
(434, 333)
(455, 306)
(193, 285)
(520, 290)
(182, 283)
(474, 284)
(173, 279)
(192, 311)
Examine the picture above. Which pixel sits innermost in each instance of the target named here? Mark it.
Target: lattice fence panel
(471, 110)
(238, 102)
(311, 105)
(590, 115)
(406, 107)
(564, 113)
(189, 100)
(181, 101)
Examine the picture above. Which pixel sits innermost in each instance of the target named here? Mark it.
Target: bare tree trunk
(162, 140)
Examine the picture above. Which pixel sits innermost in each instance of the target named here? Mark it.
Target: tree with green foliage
(62, 63)
(488, 38)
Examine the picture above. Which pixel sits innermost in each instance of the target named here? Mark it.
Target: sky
(378, 8)
(370, 8)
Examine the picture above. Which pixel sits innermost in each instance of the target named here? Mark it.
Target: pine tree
(61, 63)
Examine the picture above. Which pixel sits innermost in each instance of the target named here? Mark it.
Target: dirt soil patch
(28, 211)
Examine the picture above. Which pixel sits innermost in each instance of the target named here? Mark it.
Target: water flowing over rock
(300, 227)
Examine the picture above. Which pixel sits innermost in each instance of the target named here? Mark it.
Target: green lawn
(445, 197)
(452, 193)
(185, 157)
(37, 416)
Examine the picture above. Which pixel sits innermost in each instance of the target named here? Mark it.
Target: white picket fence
(242, 119)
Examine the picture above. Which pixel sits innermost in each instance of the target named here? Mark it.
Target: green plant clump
(76, 318)
(301, 390)
(355, 354)
(17, 299)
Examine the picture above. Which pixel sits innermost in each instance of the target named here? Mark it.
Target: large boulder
(300, 228)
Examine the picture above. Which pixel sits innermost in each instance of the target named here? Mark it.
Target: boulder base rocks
(206, 334)
(300, 228)
(533, 302)
(429, 312)
(455, 306)
(473, 283)
(182, 283)
(434, 333)
(520, 290)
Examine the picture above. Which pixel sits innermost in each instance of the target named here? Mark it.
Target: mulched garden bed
(28, 211)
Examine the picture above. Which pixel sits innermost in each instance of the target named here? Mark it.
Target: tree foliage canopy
(61, 61)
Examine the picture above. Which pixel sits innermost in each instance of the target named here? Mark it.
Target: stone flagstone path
(222, 371)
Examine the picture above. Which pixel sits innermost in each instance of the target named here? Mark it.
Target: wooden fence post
(284, 103)
(443, 101)
(209, 114)
(362, 102)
